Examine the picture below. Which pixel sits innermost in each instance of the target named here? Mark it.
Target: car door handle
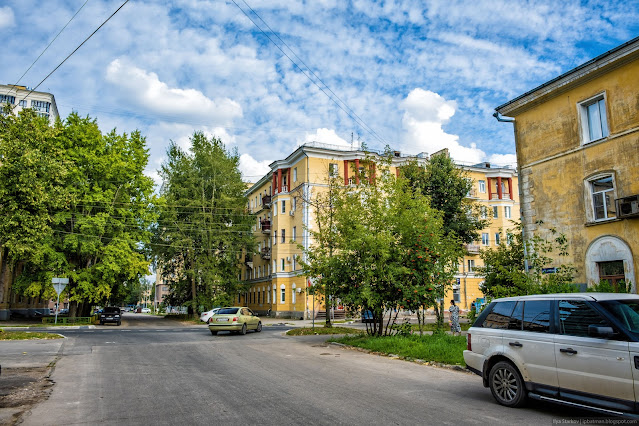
(569, 351)
(515, 344)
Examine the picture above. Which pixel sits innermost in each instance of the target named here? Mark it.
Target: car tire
(506, 385)
(214, 333)
(119, 323)
(243, 332)
(259, 327)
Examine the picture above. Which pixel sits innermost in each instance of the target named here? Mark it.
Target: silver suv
(579, 349)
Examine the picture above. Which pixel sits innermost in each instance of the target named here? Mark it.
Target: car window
(516, 317)
(575, 316)
(537, 316)
(228, 311)
(245, 311)
(111, 310)
(626, 311)
(499, 317)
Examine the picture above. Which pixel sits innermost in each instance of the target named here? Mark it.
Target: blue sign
(548, 270)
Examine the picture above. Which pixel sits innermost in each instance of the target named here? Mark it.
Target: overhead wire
(360, 122)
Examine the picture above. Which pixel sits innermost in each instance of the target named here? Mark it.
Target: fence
(67, 320)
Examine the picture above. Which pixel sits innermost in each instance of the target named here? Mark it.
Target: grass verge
(26, 335)
(442, 348)
(431, 326)
(308, 331)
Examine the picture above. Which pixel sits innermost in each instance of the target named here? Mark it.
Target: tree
(505, 271)
(448, 185)
(203, 229)
(94, 223)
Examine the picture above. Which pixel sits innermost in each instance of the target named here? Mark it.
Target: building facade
(577, 139)
(21, 97)
(277, 284)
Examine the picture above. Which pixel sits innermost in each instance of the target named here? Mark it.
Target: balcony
(472, 248)
(266, 226)
(248, 260)
(266, 201)
(284, 189)
(266, 253)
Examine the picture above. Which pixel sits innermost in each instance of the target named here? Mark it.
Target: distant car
(236, 320)
(206, 316)
(111, 314)
(64, 311)
(367, 317)
(145, 310)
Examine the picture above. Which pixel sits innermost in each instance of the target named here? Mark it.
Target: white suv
(579, 349)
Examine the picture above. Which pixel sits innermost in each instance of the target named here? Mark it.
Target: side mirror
(599, 331)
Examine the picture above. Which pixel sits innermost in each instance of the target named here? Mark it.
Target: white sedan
(146, 311)
(206, 316)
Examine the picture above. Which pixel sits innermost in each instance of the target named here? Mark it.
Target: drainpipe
(503, 119)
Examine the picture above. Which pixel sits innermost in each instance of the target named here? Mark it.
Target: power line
(358, 121)
(50, 43)
(76, 49)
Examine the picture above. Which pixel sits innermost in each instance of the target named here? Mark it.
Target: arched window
(293, 297)
(283, 294)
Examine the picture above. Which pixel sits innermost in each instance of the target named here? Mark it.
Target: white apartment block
(21, 97)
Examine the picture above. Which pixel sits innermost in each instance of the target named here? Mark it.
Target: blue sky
(420, 75)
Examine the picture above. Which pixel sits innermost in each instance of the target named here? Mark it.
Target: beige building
(21, 97)
(577, 139)
(282, 217)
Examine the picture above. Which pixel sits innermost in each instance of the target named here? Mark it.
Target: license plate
(222, 319)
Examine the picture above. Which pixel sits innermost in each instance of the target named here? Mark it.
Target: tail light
(469, 344)
(235, 319)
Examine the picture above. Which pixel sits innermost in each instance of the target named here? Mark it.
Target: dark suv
(111, 314)
(578, 349)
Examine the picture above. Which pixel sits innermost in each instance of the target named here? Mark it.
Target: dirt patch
(21, 389)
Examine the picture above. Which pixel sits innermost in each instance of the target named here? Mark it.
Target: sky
(266, 76)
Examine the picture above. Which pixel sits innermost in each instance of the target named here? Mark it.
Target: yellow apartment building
(276, 282)
(577, 139)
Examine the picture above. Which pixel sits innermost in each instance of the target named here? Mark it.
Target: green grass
(442, 348)
(431, 326)
(308, 331)
(26, 335)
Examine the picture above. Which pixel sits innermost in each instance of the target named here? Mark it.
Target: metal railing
(69, 320)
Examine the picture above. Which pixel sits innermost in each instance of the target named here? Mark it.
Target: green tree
(96, 217)
(505, 271)
(203, 229)
(448, 185)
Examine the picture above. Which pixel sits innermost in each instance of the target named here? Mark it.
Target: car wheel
(259, 327)
(119, 323)
(506, 385)
(243, 329)
(213, 332)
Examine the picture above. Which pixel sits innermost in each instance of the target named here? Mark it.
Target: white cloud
(146, 91)
(7, 20)
(327, 136)
(251, 169)
(503, 160)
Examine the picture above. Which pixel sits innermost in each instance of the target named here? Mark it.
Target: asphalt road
(151, 371)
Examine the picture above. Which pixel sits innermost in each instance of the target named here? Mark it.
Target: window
(274, 237)
(283, 294)
(22, 103)
(495, 212)
(268, 295)
(275, 208)
(497, 239)
(293, 297)
(283, 265)
(294, 266)
(507, 213)
(483, 212)
(283, 206)
(500, 315)
(603, 198)
(471, 265)
(575, 316)
(274, 294)
(333, 170)
(7, 99)
(259, 299)
(482, 185)
(283, 235)
(509, 238)
(41, 106)
(537, 316)
(484, 239)
(295, 174)
(295, 233)
(612, 272)
(594, 123)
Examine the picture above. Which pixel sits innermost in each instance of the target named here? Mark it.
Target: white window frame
(295, 174)
(495, 212)
(482, 186)
(591, 215)
(483, 212)
(283, 206)
(283, 265)
(601, 120)
(485, 239)
(507, 212)
(293, 296)
(283, 294)
(275, 208)
(333, 170)
(497, 238)
(471, 265)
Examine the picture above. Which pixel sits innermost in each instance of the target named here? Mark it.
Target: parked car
(111, 314)
(145, 310)
(578, 349)
(235, 319)
(206, 316)
(64, 311)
